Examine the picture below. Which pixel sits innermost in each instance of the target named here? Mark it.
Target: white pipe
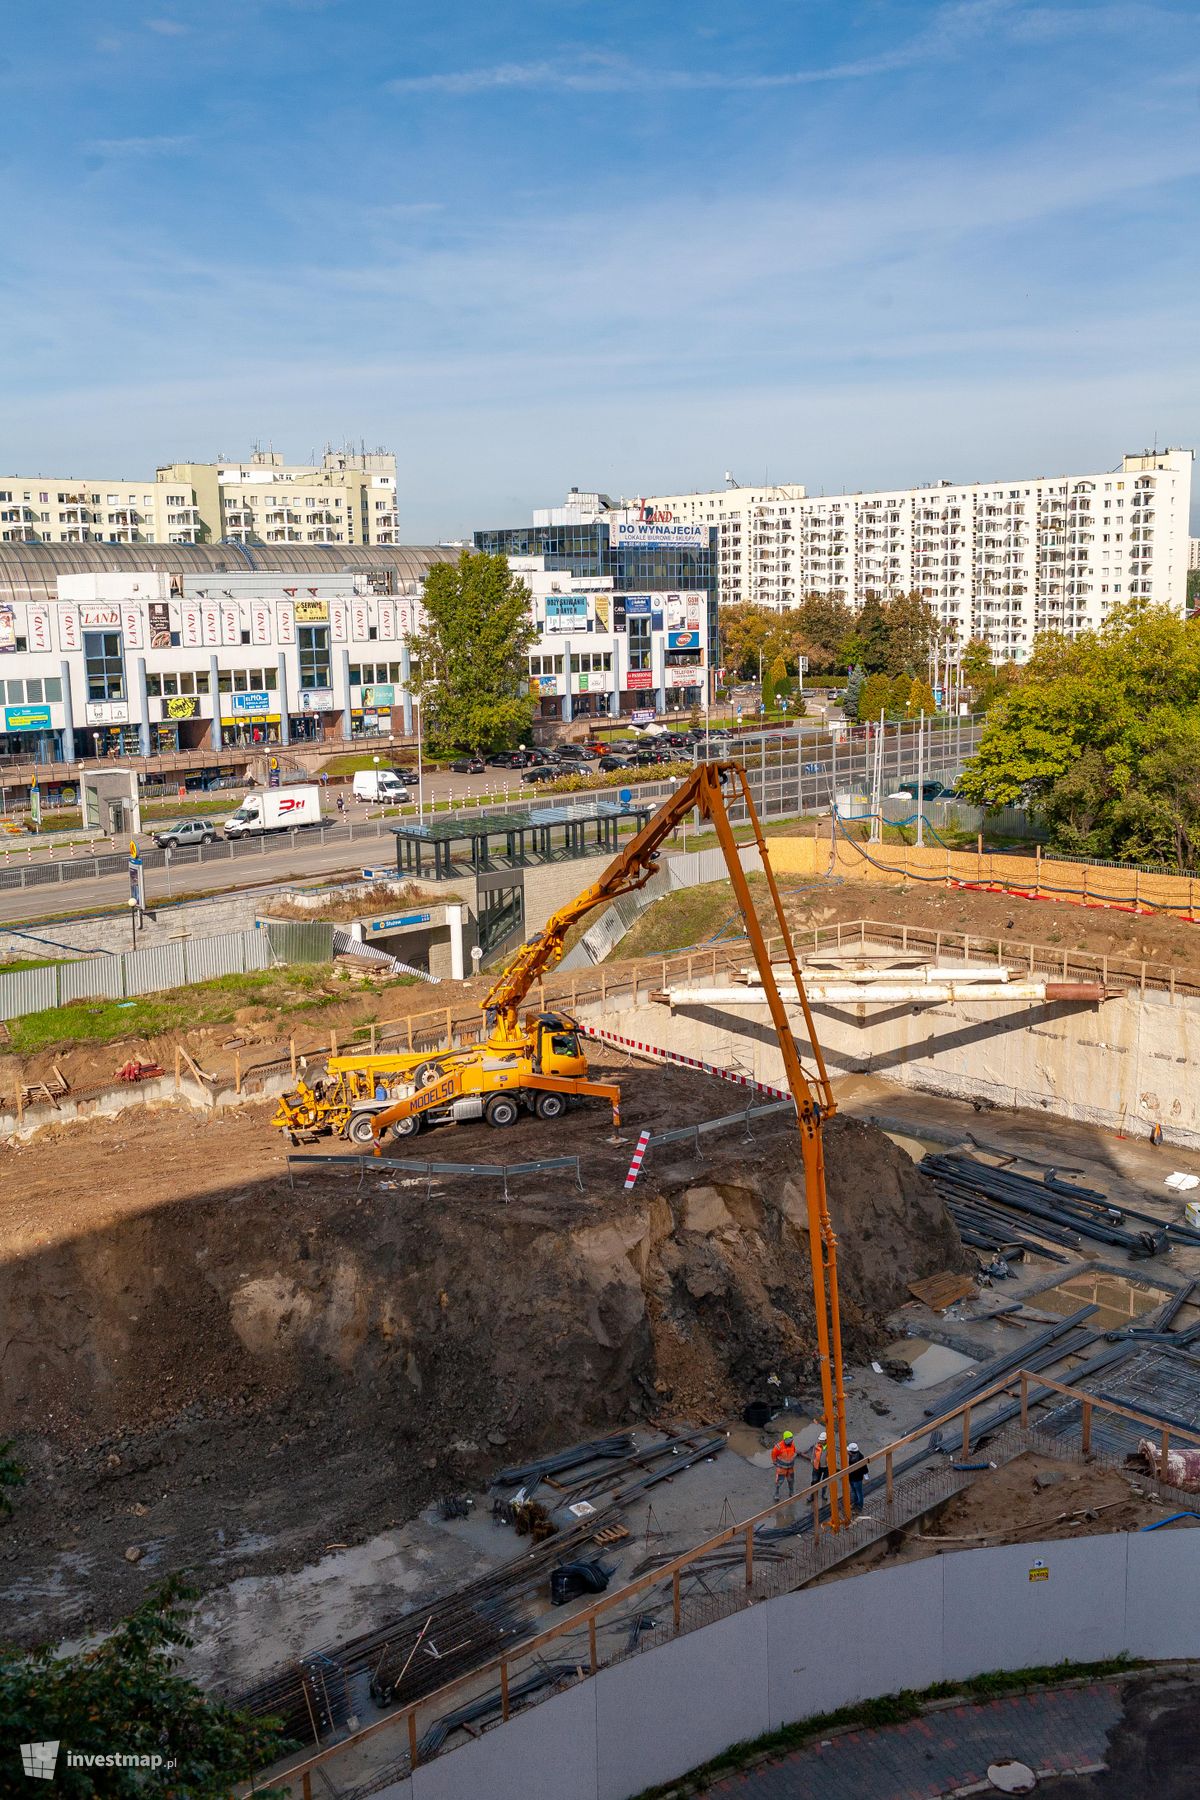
(880, 993)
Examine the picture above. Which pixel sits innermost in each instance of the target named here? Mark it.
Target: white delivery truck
(380, 785)
(274, 809)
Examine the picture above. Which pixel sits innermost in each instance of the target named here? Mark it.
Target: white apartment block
(347, 498)
(999, 560)
(757, 536)
(1194, 553)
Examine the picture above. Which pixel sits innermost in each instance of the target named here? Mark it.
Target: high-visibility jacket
(818, 1458)
(784, 1457)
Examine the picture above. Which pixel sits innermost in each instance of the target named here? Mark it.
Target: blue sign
(683, 640)
(625, 796)
(638, 606)
(26, 718)
(255, 702)
(396, 924)
(566, 606)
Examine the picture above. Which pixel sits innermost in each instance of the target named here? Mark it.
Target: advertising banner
(27, 718)
(100, 618)
(312, 612)
(360, 621)
(640, 536)
(545, 684)
(383, 694)
(639, 678)
(107, 712)
(231, 622)
(566, 606)
(337, 622)
(68, 628)
(8, 629)
(181, 706)
(210, 626)
(256, 701)
(637, 606)
(287, 622)
(260, 623)
(618, 623)
(37, 627)
(314, 700)
(131, 626)
(683, 640)
(191, 633)
(387, 621)
(160, 625)
(603, 605)
(642, 715)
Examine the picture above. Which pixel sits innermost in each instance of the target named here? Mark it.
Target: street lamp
(133, 913)
(420, 768)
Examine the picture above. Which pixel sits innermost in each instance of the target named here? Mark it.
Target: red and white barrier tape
(686, 1062)
(635, 1167)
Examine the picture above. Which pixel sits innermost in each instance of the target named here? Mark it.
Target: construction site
(447, 1347)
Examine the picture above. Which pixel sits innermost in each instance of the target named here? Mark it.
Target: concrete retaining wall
(84, 937)
(1126, 1061)
(654, 1716)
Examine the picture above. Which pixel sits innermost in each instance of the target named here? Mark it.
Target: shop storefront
(315, 719)
(250, 718)
(29, 731)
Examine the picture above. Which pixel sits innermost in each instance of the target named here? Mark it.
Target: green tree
(1100, 734)
(854, 687)
(823, 624)
(975, 662)
(876, 697)
(913, 628)
(124, 1694)
(918, 697)
(869, 644)
(470, 660)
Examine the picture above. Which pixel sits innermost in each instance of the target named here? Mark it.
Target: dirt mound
(232, 1372)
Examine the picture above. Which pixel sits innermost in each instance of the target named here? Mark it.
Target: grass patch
(31, 962)
(353, 762)
(887, 1709)
(302, 988)
(684, 919)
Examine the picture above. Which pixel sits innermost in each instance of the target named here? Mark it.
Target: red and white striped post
(635, 1167)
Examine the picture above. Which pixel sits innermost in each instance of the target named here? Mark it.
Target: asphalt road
(363, 841)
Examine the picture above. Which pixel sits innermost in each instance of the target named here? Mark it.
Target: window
(104, 665)
(314, 656)
(170, 684)
(53, 686)
(154, 686)
(16, 692)
(202, 681)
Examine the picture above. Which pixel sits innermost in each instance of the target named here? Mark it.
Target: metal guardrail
(682, 1132)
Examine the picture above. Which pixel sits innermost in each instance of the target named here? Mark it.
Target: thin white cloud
(951, 29)
(140, 146)
(168, 27)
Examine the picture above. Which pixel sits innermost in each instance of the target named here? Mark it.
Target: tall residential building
(1194, 553)
(347, 498)
(1000, 560)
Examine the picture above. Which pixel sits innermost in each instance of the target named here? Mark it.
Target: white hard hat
(821, 1439)
(853, 1450)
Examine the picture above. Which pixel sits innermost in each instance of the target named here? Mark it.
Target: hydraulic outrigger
(509, 1060)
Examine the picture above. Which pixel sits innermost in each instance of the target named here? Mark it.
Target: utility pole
(921, 780)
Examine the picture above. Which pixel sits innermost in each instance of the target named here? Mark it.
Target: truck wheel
(409, 1127)
(359, 1129)
(551, 1106)
(501, 1110)
(426, 1074)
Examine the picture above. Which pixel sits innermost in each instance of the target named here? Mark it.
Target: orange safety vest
(818, 1457)
(784, 1456)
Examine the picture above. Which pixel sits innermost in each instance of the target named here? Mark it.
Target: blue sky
(533, 245)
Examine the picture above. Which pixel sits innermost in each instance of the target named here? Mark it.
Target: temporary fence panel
(300, 940)
(26, 991)
(91, 977)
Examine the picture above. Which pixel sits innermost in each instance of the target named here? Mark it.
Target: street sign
(137, 879)
(625, 796)
(35, 806)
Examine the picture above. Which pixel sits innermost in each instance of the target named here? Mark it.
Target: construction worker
(820, 1460)
(857, 1474)
(783, 1457)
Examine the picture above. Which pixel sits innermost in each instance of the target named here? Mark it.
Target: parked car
(930, 790)
(468, 765)
(509, 759)
(185, 831)
(610, 760)
(576, 753)
(538, 757)
(544, 772)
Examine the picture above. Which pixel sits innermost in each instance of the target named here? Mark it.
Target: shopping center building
(144, 649)
(625, 609)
